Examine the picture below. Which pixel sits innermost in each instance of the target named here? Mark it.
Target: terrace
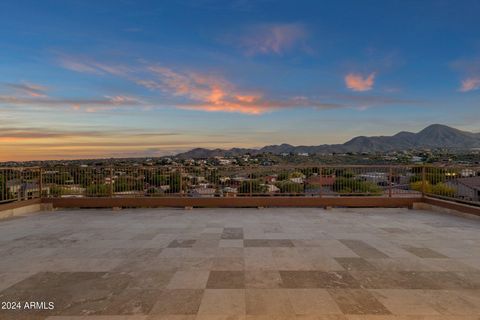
(273, 263)
(295, 257)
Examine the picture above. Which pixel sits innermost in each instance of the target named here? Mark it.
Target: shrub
(98, 190)
(418, 185)
(290, 187)
(56, 191)
(442, 189)
(347, 185)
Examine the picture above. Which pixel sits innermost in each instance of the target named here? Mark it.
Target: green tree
(126, 183)
(253, 186)
(3, 188)
(282, 176)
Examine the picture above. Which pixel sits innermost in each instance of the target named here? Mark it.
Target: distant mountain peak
(432, 137)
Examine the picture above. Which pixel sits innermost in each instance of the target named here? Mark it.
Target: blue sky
(84, 79)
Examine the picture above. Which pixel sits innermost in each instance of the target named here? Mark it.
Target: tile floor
(340, 264)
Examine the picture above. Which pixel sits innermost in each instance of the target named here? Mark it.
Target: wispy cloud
(470, 84)
(271, 39)
(358, 82)
(28, 89)
(89, 105)
(83, 65)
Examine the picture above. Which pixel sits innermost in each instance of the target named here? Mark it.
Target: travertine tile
(357, 302)
(178, 301)
(363, 249)
(318, 279)
(191, 279)
(268, 243)
(226, 280)
(260, 279)
(228, 264)
(422, 252)
(356, 264)
(223, 302)
(312, 302)
(182, 243)
(404, 302)
(268, 302)
(231, 243)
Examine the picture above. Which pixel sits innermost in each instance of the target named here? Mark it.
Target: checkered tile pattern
(340, 264)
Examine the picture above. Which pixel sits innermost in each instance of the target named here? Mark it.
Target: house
(271, 188)
(467, 173)
(375, 177)
(297, 180)
(322, 180)
(271, 179)
(224, 179)
(23, 190)
(203, 192)
(229, 192)
(467, 188)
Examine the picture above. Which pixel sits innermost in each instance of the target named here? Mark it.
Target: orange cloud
(205, 92)
(470, 84)
(212, 93)
(357, 82)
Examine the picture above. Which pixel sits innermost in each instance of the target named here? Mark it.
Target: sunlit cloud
(470, 84)
(469, 69)
(212, 93)
(358, 82)
(271, 39)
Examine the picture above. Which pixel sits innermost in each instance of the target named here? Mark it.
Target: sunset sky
(88, 79)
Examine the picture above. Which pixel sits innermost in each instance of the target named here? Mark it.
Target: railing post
(180, 182)
(251, 187)
(423, 181)
(390, 182)
(321, 182)
(111, 182)
(40, 182)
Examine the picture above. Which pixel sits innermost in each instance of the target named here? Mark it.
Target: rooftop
(282, 263)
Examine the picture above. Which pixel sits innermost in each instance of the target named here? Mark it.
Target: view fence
(457, 183)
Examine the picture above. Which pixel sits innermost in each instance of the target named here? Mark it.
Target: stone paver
(298, 263)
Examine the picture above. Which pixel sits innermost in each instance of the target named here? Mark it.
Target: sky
(100, 79)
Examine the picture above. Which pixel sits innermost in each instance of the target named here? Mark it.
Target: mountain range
(432, 137)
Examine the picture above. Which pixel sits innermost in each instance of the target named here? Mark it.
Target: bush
(442, 189)
(56, 191)
(418, 185)
(98, 190)
(347, 185)
(290, 187)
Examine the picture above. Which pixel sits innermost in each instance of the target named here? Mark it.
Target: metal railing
(452, 183)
